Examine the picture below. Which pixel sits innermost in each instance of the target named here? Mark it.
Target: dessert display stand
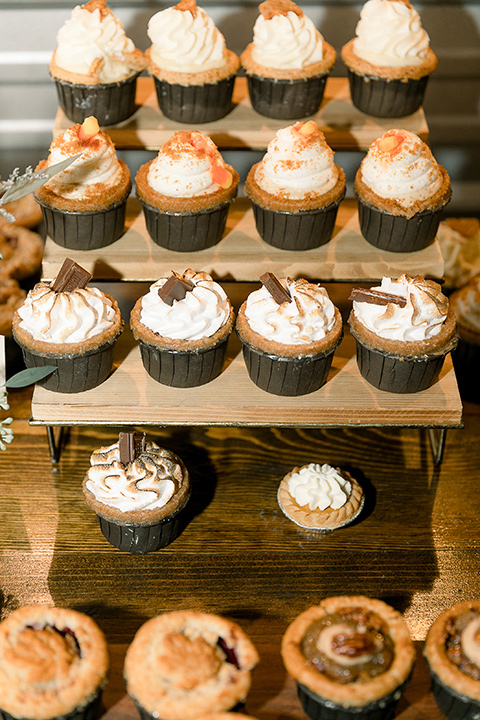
(129, 397)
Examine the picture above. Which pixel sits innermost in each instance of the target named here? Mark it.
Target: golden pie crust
(176, 669)
(328, 519)
(405, 73)
(40, 677)
(11, 297)
(322, 67)
(206, 77)
(21, 251)
(440, 665)
(351, 694)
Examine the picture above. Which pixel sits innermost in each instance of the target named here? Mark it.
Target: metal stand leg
(437, 443)
(55, 442)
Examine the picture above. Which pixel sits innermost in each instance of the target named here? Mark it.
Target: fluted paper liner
(110, 104)
(386, 98)
(186, 232)
(286, 99)
(195, 103)
(183, 369)
(452, 704)
(318, 708)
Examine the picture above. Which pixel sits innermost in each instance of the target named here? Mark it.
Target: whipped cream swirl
(185, 40)
(66, 317)
(390, 34)
(319, 486)
(307, 318)
(202, 312)
(470, 641)
(467, 305)
(296, 163)
(400, 166)
(147, 483)
(420, 319)
(286, 41)
(93, 42)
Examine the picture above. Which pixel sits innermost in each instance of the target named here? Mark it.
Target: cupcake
(186, 191)
(465, 303)
(182, 326)
(320, 497)
(351, 658)
(138, 491)
(401, 191)
(288, 62)
(289, 330)
(71, 327)
(21, 251)
(296, 189)
(452, 652)
(459, 240)
(193, 70)
(84, 205)
(53, 664)
(403, 329)
(184, 664)
(95, 66)
(390, 59)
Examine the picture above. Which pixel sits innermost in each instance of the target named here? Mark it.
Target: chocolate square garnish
(175, 288)
(130, 446)
(377, 297)
(71, 276)
(275, 288)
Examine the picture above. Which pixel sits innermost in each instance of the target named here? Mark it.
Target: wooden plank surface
(345, 127)
(242, 255)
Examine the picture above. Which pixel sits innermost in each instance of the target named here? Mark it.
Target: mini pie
(21, 251)
(184, 664)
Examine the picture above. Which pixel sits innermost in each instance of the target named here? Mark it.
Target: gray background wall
(28, 103)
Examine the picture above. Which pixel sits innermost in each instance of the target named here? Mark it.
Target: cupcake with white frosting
(320, 497)
(182, 326)
(289, 339)
(186, 191)
(139, 498)
(401, 191)
(465, 303)
(193, 70)
(390, 59)
(403, 329)
(287, 63)
(296, 189)
(452, 652)
(84, 205)
(95, 66)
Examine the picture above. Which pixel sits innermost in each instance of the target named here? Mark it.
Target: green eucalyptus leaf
(30, 376)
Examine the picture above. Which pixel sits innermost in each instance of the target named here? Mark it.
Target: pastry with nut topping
(184, 664)
(465, 303)
(351, 656)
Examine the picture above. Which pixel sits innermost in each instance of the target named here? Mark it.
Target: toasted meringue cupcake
(193, 70)
(351, 656)
(390, 60)
(401, 192)
(184, 664)
(296, 189)
(452, 652)
(465, 303)
(53, 664)
(402, 342)
(95, 66)
(287, 63)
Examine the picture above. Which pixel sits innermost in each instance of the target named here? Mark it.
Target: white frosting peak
(286, 41)
(319, 486)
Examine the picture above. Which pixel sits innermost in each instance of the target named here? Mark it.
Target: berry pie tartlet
(184, 664)
(53, 664)
(351, 657)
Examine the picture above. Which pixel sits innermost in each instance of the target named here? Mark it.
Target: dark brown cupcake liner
(287, 376)
(85, 230)
(318, 708)
(110, 104)
(286, 99)
(466, 361)
(183, 369)
(452, 704)
(186, 232)
(195, 103)
(397, 233)
(90, 711)
(386, 98)
(296, 231)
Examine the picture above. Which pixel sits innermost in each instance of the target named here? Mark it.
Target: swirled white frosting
(420, 319)
(97, 165)
(319, 486)
(467, 305)
(305, 319)
(400, 166)
(185, 40)
(147, 483)
(469, 641)
(65, 317)
(202, 312)
(95, 43)
(390, 34)
(183, 166)
(286, 41)
(296, 164)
